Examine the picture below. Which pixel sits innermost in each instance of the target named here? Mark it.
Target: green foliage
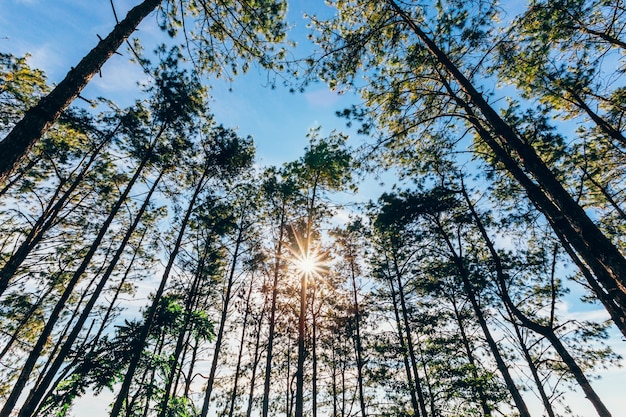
(20, 88)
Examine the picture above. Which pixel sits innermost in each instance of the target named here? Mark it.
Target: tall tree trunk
(272, 319)
(314, 352)
(550, 197)
(531, 365)
(301, 348)
(24, 321)
(37, 350)
(255, 362)
(333, 368)
(37, 393)
(409, 337)
(611, 295)
(49, 216)
(151, 313)
(40, 118)
(192, 363)
(224, 315)
(405, 356)
(244, 328)
(546, 331)
(190, 305)
(469, 352)
(495, 350)
(93, 343)
(357, 336)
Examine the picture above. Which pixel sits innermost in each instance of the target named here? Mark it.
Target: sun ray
(307, 260)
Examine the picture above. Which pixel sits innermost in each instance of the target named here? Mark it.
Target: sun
(308, 264)
(307, 260)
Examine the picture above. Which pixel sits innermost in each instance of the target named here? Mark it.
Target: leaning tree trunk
(546, 331)
(40, 118)
(611, 296)
(224, 315)
(471, 295)
(190, 304)
(37, 350)
(565, 216)
(39, 390)
(151, 313)
(49, 216)
(93, 343)
(531, 365)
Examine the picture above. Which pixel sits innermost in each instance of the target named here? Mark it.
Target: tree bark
(40, 118)
(224, 315)
(563, 213)
(151, 313)
(471, 295)
(37, 350)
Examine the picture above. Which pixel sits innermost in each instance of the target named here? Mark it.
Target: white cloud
(322, 98)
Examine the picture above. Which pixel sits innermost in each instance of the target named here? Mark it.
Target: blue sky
(57, 33)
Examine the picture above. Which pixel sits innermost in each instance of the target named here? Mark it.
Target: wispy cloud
(322, 98)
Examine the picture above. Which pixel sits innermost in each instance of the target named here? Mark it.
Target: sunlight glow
(308, 264)
(306, 260)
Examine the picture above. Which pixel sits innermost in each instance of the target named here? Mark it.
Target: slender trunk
(192, 363)
(403, 348)
(40, 118)
(333, 370)
(604, 126)
(233, 396)
(301, 347)
(546, 331)
(94, 342)
(314, 352)
(495, 350)
(614, 310)
(357, 333)
(151, 313)
(24, 321)
(38, 392)
(531, 365)
(256, 359)
(613, 298)
(550, 197)
(469, 349)
(31, 163)
(607, 195)
(409, 338)
(224, 315)
(289, 390)
(49, 216)
(190, 302)
(37, 350)
(272, 318)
